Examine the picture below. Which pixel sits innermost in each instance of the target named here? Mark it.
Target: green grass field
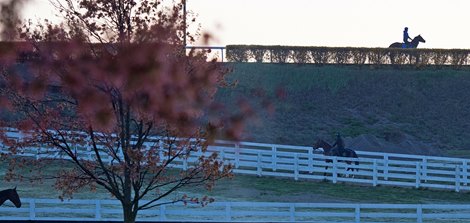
(267, 189)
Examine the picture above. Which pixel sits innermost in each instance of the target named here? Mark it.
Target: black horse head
(12, 195)
(418, 39)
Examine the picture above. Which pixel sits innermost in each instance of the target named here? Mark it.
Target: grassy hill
(402, 110)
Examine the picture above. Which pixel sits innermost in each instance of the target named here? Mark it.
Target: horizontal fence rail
(110, 210)
(213, 52)
(300, 162)
(346, 55)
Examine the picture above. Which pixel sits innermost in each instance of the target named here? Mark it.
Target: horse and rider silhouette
(12, 195)
(413, 44)
(407, 44)
(337, 149)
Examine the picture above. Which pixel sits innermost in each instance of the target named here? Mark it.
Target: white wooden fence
(109, 210)
(374, 168)
(300, 162)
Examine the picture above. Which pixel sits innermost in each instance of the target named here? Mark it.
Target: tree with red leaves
(113, 90)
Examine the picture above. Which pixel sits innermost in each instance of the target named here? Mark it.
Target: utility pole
(184, 22)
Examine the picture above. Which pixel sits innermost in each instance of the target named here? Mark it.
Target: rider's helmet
(337, 134)
(406, 28)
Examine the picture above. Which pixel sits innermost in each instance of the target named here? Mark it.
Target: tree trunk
(129, 215)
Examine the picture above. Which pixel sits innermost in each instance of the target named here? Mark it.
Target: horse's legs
(352, 169)
(326, 167)
(356, 169)
(348, 168)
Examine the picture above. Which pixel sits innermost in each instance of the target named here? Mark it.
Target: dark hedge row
(346, 55)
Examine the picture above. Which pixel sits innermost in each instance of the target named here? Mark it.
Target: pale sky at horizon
(340, 23)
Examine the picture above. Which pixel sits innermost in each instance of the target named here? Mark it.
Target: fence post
(222, 158)
(185, 163)
(296, 166)
(419, 213)
(222, 54)
(418, 175)
(310, 161)
(374, 174)
(88, 151)
(274, 157)
(160, 150)
(32, 209)
(457, 178)
(162, 213)
(335, 169)
(97, 209)
(424, 169)
(259, 170)
(237, 155)
(465, 172)
(357, 213)
(228, 211)
(292, 212)
(385, 167)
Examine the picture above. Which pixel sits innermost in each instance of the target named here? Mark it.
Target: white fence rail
(300, 162)
(109, 210)
(216, 52)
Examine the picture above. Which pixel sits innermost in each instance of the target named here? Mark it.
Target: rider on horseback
(339, 143)
(406, 37)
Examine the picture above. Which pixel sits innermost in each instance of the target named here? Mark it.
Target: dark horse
(413, 44)
(12, 195)
(328, 151)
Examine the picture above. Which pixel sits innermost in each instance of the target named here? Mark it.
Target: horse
(12, 195)
(327, 150)
(413, 44)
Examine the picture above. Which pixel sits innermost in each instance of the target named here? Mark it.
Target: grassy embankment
(430, 105)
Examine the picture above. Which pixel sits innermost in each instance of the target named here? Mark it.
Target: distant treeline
(346, 55)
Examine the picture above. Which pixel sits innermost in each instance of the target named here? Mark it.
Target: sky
(334, 23)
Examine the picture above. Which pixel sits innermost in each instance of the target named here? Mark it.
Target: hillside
(401, 110)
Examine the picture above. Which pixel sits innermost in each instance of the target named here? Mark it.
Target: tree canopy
(113, 90)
